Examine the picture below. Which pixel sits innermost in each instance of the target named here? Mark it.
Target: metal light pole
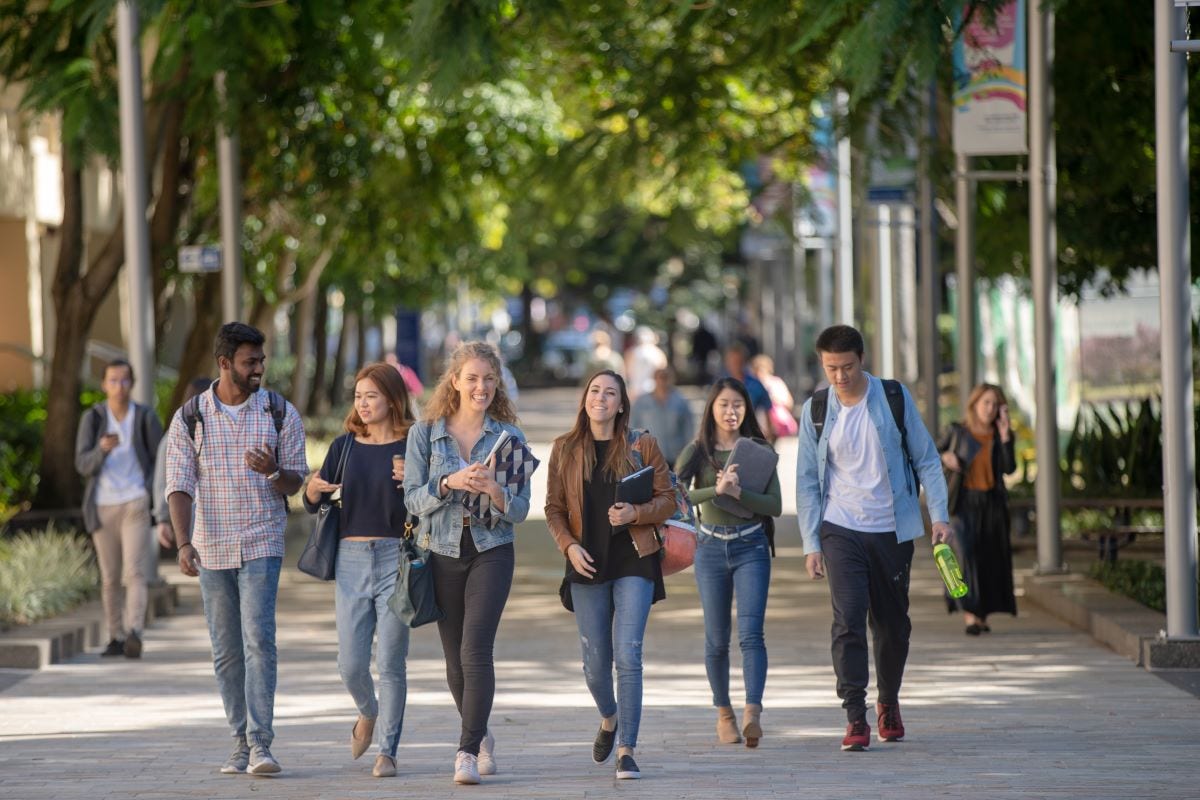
(1174, 268)
(964, 255)
(906, 236)
(1043, 248)
(140, 308)
(845, 227)
(229, 173)
(931, 283)
(884, 312)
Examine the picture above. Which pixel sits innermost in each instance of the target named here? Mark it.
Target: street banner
(818, 217)
(990, 68)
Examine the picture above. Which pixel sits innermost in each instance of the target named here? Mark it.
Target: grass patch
(44, 573)
(1143, 581)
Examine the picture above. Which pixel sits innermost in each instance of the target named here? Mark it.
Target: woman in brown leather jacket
(613, 571)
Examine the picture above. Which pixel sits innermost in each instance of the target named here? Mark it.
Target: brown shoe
(359, 742)
(727, 730)
(385, 767)
(750, 727)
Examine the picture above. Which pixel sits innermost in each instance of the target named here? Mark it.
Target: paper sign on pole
(989, 84)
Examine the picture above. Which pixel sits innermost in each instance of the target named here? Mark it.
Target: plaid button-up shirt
(239, 516)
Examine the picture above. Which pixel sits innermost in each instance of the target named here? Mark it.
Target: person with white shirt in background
(864, 456)
(115, 449)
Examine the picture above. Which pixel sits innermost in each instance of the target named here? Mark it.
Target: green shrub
(44, 573)
(1142, 581)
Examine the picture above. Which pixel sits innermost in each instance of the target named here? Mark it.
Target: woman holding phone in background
(977, 453)
(368, 557)
(733, 555)
(613, 571)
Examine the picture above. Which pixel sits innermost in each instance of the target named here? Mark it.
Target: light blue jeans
(239, 605)
(365, 579)
(726, 568)
(612, 620)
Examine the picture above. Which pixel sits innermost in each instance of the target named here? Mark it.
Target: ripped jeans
(612, 622)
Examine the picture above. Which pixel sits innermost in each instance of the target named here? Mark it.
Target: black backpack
(276, 407)
(895, 398)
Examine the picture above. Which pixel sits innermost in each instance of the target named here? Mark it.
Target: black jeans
(472, 590)
(868, 581)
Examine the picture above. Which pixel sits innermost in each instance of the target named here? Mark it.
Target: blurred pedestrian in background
(114, 452)
(665, 413)
(977, 453)
(642, 361)
(780, 418)
(603, 355)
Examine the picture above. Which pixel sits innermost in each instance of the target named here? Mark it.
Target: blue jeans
(365, 579)
(612, 621)
(239, 605)
(725, 568)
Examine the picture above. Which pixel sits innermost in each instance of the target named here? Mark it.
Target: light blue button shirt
(811, 484)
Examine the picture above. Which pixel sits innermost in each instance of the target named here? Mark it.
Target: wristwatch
(444, 483)
(274, 476)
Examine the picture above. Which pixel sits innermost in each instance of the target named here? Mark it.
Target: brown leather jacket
(564, 498)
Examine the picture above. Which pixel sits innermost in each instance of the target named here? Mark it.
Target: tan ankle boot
(727, 732)
(750, 727)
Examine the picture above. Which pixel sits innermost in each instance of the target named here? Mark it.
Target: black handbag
(320, 554)
(414, 601)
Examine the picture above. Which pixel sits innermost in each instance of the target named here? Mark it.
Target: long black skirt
(981, 525)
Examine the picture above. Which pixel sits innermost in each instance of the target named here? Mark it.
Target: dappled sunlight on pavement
(1034, 709)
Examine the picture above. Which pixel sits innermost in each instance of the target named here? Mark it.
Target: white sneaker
(487, 755)
(466, 770)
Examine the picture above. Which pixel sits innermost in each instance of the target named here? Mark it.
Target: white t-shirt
(121, 479)
(233, 412)
(859, 493)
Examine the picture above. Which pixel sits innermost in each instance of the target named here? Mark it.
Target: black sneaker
(627, 769)
(115, 648)
(133, 645)
(603, 746)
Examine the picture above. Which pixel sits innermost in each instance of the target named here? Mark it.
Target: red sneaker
(891, 727)
(858, 736)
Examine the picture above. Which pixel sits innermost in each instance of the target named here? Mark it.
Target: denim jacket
(431, 452)
(810, 467)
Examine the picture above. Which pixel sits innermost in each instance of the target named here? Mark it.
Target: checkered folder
(514, 465)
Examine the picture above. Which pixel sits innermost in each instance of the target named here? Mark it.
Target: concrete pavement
(1033, 710)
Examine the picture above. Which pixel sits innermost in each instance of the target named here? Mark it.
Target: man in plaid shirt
(234, 469)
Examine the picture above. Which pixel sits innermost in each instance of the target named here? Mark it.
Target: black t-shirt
(612, 552)
(372, 505)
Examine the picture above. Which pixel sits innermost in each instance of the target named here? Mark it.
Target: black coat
(958, 440)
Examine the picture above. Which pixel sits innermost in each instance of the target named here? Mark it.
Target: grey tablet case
(756, 464)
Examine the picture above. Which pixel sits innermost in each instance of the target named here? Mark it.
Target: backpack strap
(191, 415)
(895, 398)
(818, 408)
(277, 408)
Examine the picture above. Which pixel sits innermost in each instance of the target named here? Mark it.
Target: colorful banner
(818, 218)
(989, 84)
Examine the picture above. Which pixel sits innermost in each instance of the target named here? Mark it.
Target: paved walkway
(1033, 710)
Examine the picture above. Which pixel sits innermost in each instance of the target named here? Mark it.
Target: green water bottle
(951, 573)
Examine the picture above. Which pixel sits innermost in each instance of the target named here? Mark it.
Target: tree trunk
(197, 359)
(320, 346)
(176, 171)
(302, 339)
(360, 342)
(337, 390)
(76, 300)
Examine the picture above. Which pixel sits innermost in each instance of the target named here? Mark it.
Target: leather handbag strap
(341, 467)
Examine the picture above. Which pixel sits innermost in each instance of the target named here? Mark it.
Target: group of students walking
(235, 453)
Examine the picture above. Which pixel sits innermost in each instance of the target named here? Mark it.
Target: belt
(718, 533)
